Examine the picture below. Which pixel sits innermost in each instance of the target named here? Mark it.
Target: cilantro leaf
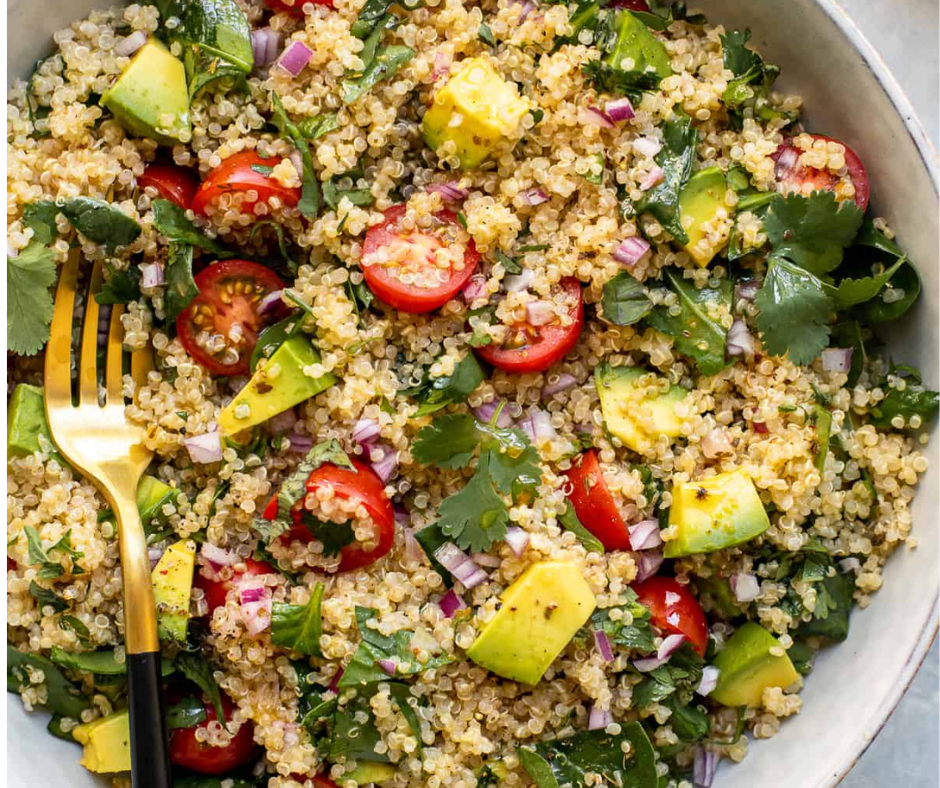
(737, 57)
(485, 34)
(570, 521)
(624, 300)
(812, 231)
(100, 221)
(441, 392)
(121, 287)
(794, 312)
(29, 303)
(475, 517)
(688, 720)
(40, 218)
(849, 292)
(511, 461)
(298, 627)
(447, 443)
(637, 635)
(194, 667)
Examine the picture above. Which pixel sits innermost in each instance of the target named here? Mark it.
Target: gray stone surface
(905, 33)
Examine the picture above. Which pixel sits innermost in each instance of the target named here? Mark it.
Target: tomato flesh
(362, 485)
(794, 175)
(173, 183)
(295, 10)
(240, 174)
(674, 609)
(203, 758)
(631, 5)
(543, 345)
(594, 505)
(216, 591)
(229, 295)
(398, 252)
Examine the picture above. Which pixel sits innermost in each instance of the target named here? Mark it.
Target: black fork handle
(150, 755)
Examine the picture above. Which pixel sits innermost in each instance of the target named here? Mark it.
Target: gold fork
(98, 441)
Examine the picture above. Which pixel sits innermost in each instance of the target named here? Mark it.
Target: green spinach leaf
(170, 220)
(100, 221)
(569, 519)
(624, 300)
(181, 287)
(121, 287)
(195, 668)
(62, 696)
(676, 159)
(387, 62)
(298, 627)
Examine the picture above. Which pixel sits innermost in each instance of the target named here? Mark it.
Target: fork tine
(58, 365)
(141, 364)
(114, 372)
(88, 362)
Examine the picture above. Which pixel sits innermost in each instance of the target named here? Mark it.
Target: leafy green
(913, 400)
(387, 62)
(185, 714)
(354, 739)
(298, 627)
(292, 264)
(194, 667)
(833, 606)
(695, 332)
(29, 303)
(636, 635)
(309, 203)
(40, 218)
(38, 556)
(510, 264)
(661, 15)
(676, 159)
(438, 393)
(447, 443)
(101, 663)
(62, 696)
(77, 626)
(812, 231)
(318, 125)
(273, 337)
(753, 78)
(565, 762)
(475, 517)
(570, 521)
(624, 300)
(872, 244)
(181, 287)
(402, 696)
(170, 220)
(801, 655)
(54, 726)
(121, 287)
(621, 36)
(47, 598)
(332, 195)
(485, 34)
(333, 536)
(680, 676)
(100, 221)
(794, 312)
(849, 334)
(432, 538)
(690, 722)
(849, 292)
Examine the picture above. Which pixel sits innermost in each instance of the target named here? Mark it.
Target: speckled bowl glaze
(850, 95)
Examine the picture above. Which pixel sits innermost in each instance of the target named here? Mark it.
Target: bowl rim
(928, 154)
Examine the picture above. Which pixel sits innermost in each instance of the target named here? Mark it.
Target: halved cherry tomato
(235, 174)
(411, 252)
(229, 295)
(362, 485)
(11, 564)
(319, 781)
(543, 345)
(215, 591)
(297, 10)
(631, 5)
(173, 183)
(594, 505)
(201, 757)
(794, 175)
(674, 609)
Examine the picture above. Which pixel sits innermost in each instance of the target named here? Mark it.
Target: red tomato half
(411, 253)
(201, 757)
(216, 590)
(594, 504)
(297, 10)
(362, 485)
(631, 5)
(176, 184)
(674, 609)
(229, 294)
(794, 175)
(541, 346)
(235, 174)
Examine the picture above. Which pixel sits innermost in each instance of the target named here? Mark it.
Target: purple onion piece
(216, 556)
(151, 275)
(837, 359)
(740, 341)
(630, 251)
(485, 412)
(282, 422)
(599, 719)
(709, 680)
(669, 646)
(648, 563)
(558, 383)
(386, 468)
(746, 289)
(271, 303)
(334, 682)
(645, 535)
(517, 539)
(619, 109)
(460, 565)
(592, 116)
(450, 191)
(265, 44)
(365, 431)
(603, 645)
(450, 603)
(298, 442)
(487, 560)
(129, 45)
(534, 196)
(703, 768)
(745, 587)
(654, 176)
(390, 666)
(475, 288)
(295, 57)
(204, 448)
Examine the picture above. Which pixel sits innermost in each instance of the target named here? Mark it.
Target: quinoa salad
(518, 410)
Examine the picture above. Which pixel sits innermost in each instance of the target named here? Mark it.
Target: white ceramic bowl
(850, 95)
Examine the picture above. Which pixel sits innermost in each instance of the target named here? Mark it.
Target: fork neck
(140, 616)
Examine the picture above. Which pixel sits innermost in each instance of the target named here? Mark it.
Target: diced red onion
(740, 341)
(282, 422)
(647, 564)
(151, 275)
(647, 146)
(645, 535)
(390, 666)
(265, 45)
(487, 560)
(760, 427)
(558, 383)
(271, 303)
(155, 554)
(216, 557)
(654, 176)
(631, 250)
(413, 550)
(599, 719)
(129, 45)
(441, 68)
(516, 283)
(402, 517)
(703, 768)
(539, 313)
(850, 564)
(745, 587)
(517, 539)
(709, 680)
(746, 289)
(300, 443)
(251, 595)
(450, 603)
(592, 116)
(334, 682)
(527, 8)
(385, 468)
(295, 57)
(788, 160)
(297, 159)
(837, 359)
(460, 565)
(475, 288)
(366, 431)
(619, 109)
(603, 645)
(204, 448)
(538, 426)
(485, 412)
(534, 196)
(669, 646)
(450, 192)
(255, 604)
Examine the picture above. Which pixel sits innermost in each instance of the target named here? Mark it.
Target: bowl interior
(849, 95)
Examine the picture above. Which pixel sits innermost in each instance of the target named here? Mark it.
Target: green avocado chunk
(278, 384)
(701, 206)
(369, 773)
(747, 665)
(150, 98)
(714, 513)
(172, 588)
(26, 421)
(106, 742)
(152, 494)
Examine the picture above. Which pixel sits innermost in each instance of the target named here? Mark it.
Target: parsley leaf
(298, 627)
(624, 300)
(29, 303)
(194, 667)
(570, 521)
(794, 312)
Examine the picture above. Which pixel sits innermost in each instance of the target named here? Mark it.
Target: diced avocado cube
(152, 495)
(638, 406)
(749, 663)
(822, 420)
(369, 773)
(150, 98)
(702, 209)
(107, 743)
(26, 421)
(278, 384)
(539, 614)
(476, 109)
(714, 513)
(172, 589)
